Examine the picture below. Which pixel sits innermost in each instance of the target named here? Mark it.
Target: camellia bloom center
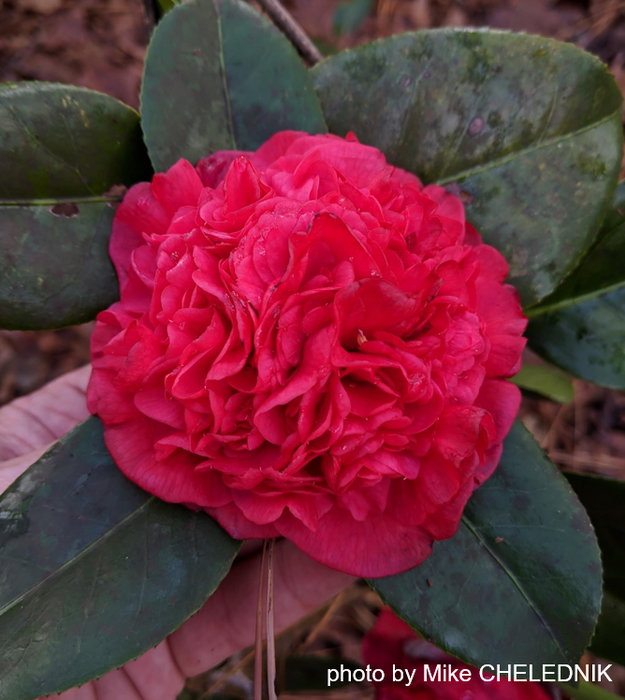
(309, 343)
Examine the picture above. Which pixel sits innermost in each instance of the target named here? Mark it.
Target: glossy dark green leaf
(604, 500)
(350, 15)
(608, 641)
(546, 381)
(581, 327)
(587, 340)
(220, 76)
(55, 269)
(521, 580)
(62, 149)
(94, 571)
(66, 141)
(526, 130)
(601, 270)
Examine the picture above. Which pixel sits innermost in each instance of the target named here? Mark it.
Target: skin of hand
(226, 624)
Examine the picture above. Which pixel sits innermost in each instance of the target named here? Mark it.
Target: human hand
(226, 624)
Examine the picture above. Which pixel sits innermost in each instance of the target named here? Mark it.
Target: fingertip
(156, 675)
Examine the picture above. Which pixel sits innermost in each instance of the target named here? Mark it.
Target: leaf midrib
(479, 169)
(224, 75)
(472, 529)
(580, 298)
(80, 555)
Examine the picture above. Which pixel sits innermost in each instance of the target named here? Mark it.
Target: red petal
(175, 480)
(502, 400)
(275, 148)
(212, 170)
(376, 547)
(180, 186)
(238, 526)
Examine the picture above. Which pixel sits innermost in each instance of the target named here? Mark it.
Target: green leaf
(62, 149)
(547, 381)
(581, 327)
(95, 571)
(350, 15)
(587, 691)
(325, 47)
(526, 130)
(55, 269)
(601, 270)
(587, 340)
(66, 141)
(220, 76)
(604, 500)
(608, 641)
(521, 580)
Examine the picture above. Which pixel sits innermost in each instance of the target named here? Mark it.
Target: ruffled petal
(376, 547)
(174, 479)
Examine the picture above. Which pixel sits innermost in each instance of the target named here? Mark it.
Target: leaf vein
(517, 583)
(477, 170)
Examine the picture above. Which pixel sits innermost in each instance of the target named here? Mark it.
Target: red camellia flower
(309, 344)
(393, 643)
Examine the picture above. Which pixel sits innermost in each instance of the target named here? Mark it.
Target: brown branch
(296, 35)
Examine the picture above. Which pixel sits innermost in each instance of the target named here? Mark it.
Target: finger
(156, 675)
(226, 623)
(13, 468)
(116, 685)
(36, 420)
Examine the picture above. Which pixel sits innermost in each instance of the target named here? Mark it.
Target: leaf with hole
(63, 149)
(95, 571)
(524, 559)
(220, 76)
(55, 270)
(66, 141)
(526, 130)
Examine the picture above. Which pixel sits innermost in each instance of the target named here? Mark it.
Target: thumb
(30, 424)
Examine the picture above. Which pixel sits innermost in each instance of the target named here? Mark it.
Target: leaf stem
(587, 691)
(293, 31)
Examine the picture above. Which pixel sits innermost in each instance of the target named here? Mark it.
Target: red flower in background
(311, 344)
(393, 642)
